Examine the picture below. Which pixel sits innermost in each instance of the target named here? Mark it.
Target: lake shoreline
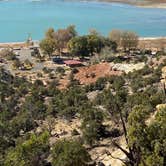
(82, 13)
(142, 4)
(137, 4)
(17, 44)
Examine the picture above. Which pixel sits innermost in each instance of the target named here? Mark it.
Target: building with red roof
(73, 63)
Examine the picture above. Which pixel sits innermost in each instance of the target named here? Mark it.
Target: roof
(72, 62)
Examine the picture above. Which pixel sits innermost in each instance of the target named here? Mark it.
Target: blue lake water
(20, 17)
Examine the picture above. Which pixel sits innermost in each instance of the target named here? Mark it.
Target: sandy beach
(160, 6)
(13, 44)
(153, 38)
(36, 42)
(18, 44)
(145, 3)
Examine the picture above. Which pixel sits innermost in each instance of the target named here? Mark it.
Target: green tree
(31, 152)
(137, 126)
(66, 106)
(48, 46)
(88, 45)
(92, 127)
(69, 153)
(154, 154)
(146, 139)
(72, 30)
(49, 33)
(78, 46)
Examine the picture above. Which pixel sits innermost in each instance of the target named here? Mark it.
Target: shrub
(69, 153)
(74, 71)
(8, 54)
(92, 127)
(47, 70)
(75, 132)
(60, 70)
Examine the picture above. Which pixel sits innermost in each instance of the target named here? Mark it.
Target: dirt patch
(64, 82)
(90, 74)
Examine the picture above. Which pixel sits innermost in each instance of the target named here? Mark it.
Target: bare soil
(90, 74)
